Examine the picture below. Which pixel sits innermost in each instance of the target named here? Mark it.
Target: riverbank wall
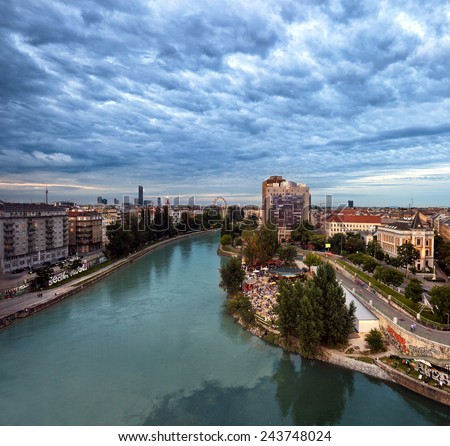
(328, 355)
(358, 366)
(221, 252)
(434, 393)
(406, 342)
(84, 282)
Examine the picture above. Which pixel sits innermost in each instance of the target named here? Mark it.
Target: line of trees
(137, 231)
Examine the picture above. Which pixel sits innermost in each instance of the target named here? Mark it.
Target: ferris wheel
(220, 199)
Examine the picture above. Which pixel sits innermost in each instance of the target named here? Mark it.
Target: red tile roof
(375, 219)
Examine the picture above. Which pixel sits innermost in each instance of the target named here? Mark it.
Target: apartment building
(31, 234)
(85, 231)
(285, 204)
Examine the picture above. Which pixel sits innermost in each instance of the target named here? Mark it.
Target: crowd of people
(263, 297)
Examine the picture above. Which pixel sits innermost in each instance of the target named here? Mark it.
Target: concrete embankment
(434, 393)
(222, 252)
(331, 356)
(358, 366)
(33, 305)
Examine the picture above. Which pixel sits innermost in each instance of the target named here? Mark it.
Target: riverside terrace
(260, 287)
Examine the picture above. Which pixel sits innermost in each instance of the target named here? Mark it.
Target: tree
(374, 249)
(226, 240)
(312, 259)
(287, 254)
(354, 243)
(369, 264)
(75, 264)
(335, 316)
(309, 323)
(414, 290)
(303, 233)
(375, 341)
(120, 242)
(440, 298)
(442, 253)
(357, 258)
(240, 304)
(288, 307)
(389, 276)
(407, 254)
(42, 277)
(315, 312)
(260, 245)
(318, 241)
(232, 275)
(337, 242)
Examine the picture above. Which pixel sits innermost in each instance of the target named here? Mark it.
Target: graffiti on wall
(398, 341)
(423, 351)
(66, 274)
(13, 292)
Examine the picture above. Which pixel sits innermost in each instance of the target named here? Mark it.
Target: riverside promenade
(30, 303)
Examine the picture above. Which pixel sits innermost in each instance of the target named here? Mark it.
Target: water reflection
(433, 412)
(314, 394)
(214, 405)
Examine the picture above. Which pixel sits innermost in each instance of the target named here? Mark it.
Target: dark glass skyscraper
(140, 195)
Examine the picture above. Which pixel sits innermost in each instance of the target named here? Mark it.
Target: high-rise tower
(285, 204)
(140, 195)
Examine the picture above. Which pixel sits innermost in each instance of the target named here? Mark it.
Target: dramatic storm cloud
(211, 97)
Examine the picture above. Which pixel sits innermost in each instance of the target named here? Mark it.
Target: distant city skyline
(350, 98)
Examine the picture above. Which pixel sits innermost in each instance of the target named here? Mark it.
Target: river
(152, 345)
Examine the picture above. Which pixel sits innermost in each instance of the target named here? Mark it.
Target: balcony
(84, 231)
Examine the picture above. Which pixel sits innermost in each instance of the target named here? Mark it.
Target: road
(382, 305)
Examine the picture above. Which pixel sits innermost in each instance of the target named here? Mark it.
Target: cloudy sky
(209, 98)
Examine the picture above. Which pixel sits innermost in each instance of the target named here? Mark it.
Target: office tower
(140, 195)
(116, 201)
(285, 204)
(191, 201)
(350, 204)
(104, 201)
(135, 201)
(176, 201)
(99, 200)
(159, 202)
(126, 199)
